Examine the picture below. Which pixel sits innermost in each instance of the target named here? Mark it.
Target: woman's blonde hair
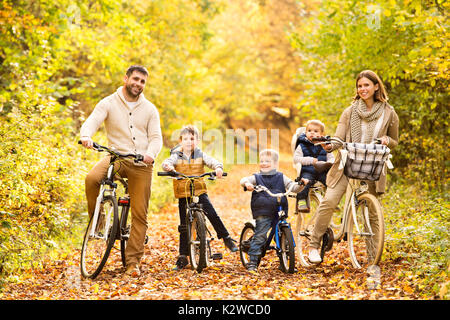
(380, 94)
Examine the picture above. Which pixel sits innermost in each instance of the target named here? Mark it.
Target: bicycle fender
(251, 224)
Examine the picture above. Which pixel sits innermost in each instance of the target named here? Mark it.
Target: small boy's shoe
(182, 262)
(314, 256)
(229, 243)
(252, 266)
(302, 206)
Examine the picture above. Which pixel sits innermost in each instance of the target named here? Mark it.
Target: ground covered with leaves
(335, 278)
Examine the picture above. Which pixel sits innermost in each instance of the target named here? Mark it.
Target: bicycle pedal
(217, 256)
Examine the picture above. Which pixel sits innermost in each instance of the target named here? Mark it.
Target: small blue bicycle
(280, 231)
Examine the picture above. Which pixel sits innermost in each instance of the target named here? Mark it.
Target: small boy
(190, 160)
(264, 207)
(307, 154)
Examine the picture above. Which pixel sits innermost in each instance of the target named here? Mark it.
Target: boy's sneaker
(229, 243)
(302, 206)
(182, 262)
(252, 266)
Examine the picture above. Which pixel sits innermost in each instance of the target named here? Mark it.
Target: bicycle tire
(304, 227)
(287, 250)
(95, 250)
(366, 248)
(197, 241)
(247, 234)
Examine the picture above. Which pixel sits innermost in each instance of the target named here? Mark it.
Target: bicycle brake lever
(139, 158)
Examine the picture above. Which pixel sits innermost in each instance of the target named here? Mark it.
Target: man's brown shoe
(133, 270)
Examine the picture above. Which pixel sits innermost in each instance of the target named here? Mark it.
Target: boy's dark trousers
(210, 213)
(313, 178)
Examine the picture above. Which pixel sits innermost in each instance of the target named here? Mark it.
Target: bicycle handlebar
(137, 157)
(181, 176)
(260, 188)
(329, 139)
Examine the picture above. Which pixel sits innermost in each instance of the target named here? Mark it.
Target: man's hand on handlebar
(148, 159)
(87, 142)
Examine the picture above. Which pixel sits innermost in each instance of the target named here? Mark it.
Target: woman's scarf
(359, 111)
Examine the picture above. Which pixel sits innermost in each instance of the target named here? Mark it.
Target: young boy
(307, 154)
(190, 160)
(264, 207)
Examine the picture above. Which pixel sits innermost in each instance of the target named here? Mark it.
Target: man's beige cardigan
(388, 128)
(128, 130)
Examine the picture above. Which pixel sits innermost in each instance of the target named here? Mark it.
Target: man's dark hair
(137, 68)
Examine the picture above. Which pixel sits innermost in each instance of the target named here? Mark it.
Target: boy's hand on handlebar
(168, 167)
(249, 186)
(219, 173)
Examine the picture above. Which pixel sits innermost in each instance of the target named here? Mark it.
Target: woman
(369, 117)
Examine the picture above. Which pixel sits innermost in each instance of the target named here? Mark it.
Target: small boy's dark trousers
(313, 178)
(210, 213)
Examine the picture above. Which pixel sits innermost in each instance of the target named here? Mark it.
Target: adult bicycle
(361, 222)
(280, 231)
(106, 224)
(199, 236)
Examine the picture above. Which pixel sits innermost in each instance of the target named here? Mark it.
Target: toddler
(307, 154)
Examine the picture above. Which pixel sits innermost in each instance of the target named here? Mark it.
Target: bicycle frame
(281, 221)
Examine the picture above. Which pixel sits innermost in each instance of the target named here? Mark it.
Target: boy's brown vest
(192, 168)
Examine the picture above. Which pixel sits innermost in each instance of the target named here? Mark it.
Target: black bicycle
(106, 225)
(199, 236)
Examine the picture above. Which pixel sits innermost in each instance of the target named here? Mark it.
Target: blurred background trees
(229, 64)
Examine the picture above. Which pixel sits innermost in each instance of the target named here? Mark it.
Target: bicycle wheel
(97, 244)
(197, 241)
(366, 234)
(287, 250)
(244, 243)
(304, 227)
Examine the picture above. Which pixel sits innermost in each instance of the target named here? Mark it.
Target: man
(132, 126)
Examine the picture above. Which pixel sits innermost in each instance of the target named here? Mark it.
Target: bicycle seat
(321, 166)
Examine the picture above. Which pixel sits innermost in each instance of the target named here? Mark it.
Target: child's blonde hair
(317, 123)
(270, 153)
(189, 129)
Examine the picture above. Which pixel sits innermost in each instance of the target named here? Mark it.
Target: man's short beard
(130, 91)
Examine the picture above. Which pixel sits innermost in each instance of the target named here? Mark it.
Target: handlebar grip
(325, 138)
(223, 174)
(166, 174)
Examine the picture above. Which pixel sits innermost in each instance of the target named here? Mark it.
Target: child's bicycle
(280, 231)
(106, 225)
(361, 222)
(199, 236)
